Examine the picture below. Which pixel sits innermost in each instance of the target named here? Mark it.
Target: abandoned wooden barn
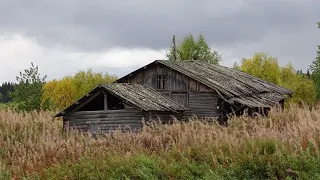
(120, 106)
(168, 90)
(208, 90)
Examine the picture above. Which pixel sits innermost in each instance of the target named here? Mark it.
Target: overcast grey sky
(64, 36)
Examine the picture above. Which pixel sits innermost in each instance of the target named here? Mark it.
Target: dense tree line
(5, 89)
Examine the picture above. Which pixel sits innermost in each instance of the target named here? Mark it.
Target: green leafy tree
(28, 92)
(262, 66)
(191, 49)
(1, 97)
(302, 86)
(315, 68)
(85, 81)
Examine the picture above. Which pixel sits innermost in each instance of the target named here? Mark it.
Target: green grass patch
(3, 106)
(167, 166)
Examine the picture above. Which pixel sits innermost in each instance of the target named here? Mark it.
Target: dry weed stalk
(34, 141)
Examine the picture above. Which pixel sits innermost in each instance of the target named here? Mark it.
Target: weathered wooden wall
(201, 99)
(105, 121)
(162, 117)
(129, 119)
(203, 104)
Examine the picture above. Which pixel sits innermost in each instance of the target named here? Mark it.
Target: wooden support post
(105, 102)
(174, 48)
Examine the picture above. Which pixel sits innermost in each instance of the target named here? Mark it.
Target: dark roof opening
(114, 102)
(97, 104)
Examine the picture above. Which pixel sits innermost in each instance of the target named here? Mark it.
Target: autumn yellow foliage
(61, 93)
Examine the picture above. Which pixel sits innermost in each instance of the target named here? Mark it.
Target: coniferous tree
(308, 73)
(28, 93)
(315, 67)
(5, 89)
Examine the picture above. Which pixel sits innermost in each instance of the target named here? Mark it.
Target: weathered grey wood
(105, 112)
(231, 85)
(163, 117)
(203, 104)
(106, 118)
(105, 100)
(181, 98)
(175, 80)
(104, 121)
(201, 99)
(91, 121)
(135, 114)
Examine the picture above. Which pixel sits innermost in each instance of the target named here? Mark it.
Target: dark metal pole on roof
(174, 48)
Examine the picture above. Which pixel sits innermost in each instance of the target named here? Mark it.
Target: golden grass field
(283, 145)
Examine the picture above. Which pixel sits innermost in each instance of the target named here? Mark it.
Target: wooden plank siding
(203, 104)
(163, 117)
(108, 121)
(105, 121)
(120, 107)
(201, 99)
(180, 98)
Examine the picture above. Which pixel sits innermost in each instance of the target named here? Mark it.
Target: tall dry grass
(32, 143)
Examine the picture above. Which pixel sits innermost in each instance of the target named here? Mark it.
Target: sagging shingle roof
(143, 97)
(233, 85)
(138, 95)
(260, 100)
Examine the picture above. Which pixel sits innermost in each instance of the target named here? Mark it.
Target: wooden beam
(105, 100)
(86, 102)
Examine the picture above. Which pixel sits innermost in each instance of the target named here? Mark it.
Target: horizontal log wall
(203, 104)
(105, 121)
(164, 117)
(196, 86)
(186, 91)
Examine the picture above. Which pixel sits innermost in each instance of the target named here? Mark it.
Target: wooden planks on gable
(203, 104)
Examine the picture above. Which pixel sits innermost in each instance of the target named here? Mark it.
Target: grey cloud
(298, 48)
(97, 25)
(101, 24)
